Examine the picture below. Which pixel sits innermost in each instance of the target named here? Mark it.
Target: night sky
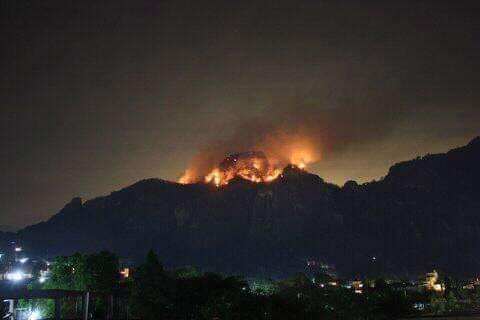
(96, 95)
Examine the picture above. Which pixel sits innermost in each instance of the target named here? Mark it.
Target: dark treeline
(152, 292)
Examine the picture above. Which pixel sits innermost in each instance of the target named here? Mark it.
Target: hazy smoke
(306, 127)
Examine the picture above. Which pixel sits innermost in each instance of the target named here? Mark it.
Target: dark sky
(95, 95)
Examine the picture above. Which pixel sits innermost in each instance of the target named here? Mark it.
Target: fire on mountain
(253, 166)
(278, 150)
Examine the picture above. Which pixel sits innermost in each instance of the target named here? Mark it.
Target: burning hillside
(279, 149)
(253, 166)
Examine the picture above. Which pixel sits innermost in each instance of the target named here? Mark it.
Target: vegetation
(96, 273)
(155, 293)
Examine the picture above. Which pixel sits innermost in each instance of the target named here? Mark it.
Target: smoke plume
(305, 128)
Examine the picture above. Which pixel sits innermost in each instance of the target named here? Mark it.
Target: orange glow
(302, 154)
(273, 175)
(216, 177)
(281, 149)
(252, 166)
(220, 178)
(187, 177)
(125, 273)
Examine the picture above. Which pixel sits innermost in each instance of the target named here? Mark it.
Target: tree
(386, 303)
(152, 290)
(100, 276)
(97, 273)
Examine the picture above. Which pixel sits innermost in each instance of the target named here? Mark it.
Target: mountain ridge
(417, 217)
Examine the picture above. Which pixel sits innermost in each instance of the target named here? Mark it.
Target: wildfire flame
(187, 177)
(251, 166)
(279, 149)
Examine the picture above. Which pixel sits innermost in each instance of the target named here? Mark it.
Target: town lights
(125, 273)
(15, 276)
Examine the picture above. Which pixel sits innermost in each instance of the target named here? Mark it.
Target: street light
(15, 276)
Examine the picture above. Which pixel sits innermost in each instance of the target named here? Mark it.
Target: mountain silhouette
(424, 214)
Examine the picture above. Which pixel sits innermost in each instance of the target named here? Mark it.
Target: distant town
(102, 286)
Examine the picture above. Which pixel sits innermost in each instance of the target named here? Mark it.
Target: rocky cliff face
(424, 214)
(271, 225)
(129, 221)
